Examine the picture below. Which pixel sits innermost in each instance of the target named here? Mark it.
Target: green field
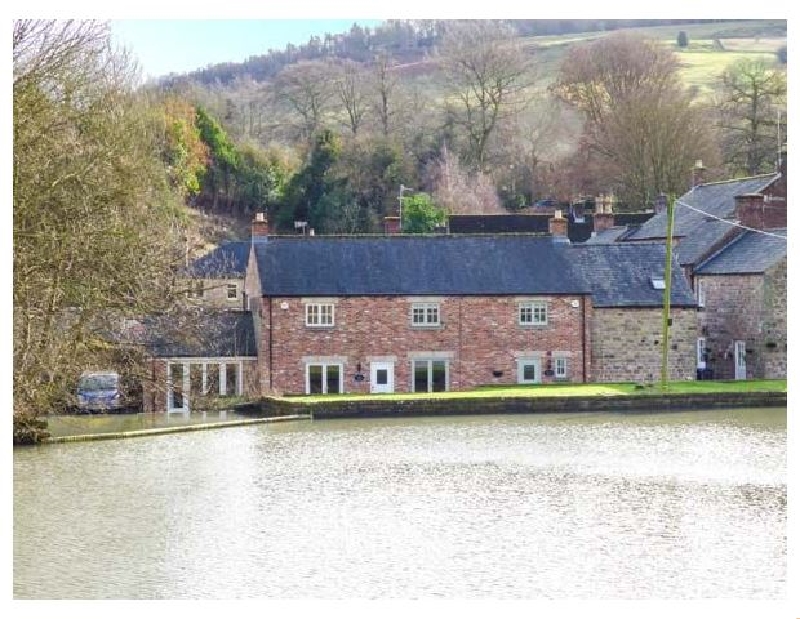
(567, 390)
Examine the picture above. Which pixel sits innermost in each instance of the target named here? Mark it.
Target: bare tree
(752, 105)
(385, 84)
(490, 79)
(642, 130)
(458, 191)
(307, 88)
(350, 88)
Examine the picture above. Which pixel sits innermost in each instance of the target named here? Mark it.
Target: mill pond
(678, 505)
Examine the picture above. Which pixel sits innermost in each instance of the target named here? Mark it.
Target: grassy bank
(689, 387)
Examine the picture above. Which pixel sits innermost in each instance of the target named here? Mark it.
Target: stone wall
(626, 344)
(479, 336)
(215, 293)
(750, 308)
(775, 331)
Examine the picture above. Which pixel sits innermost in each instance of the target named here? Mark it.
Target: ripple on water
(673, 506)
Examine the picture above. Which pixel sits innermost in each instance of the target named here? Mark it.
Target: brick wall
(480, 337)
(626, 344)
(750, 308)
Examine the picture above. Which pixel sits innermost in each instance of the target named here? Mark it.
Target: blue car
(101, 392)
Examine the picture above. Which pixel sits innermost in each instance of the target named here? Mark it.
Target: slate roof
(577, 232)
(619, 275)
(750, 253)
(609, 235)
(415, 265)
(200, 334)
(229, 260)
(714, 198)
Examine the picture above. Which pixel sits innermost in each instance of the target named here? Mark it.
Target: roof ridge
(738, 180)
(725, 247)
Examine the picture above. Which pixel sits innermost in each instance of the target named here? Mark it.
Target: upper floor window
(196, 289)
(701, 294)
(319, 314)
(533, 313)
(425, 315)
(233, 291)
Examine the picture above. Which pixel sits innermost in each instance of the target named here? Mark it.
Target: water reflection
(615, 506)
(74, 425)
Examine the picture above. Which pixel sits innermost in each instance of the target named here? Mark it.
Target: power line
(730, 223)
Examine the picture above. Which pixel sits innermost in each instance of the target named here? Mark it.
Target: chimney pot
(260, 226)
(698, 173)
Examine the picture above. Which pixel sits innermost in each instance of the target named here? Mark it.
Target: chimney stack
(603, 213)
(698, 173)
(260, 226)
(558, 226)
(392, 225)
(660, 203)
(750, 210)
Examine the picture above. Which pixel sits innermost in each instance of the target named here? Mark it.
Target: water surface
(680, 505)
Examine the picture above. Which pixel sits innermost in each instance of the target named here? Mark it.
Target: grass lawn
(571, 390)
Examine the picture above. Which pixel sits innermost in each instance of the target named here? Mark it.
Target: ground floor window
(560, 367)
(190, 380)
(430, 375)
(324, 378)
(529, 370)
(702, 355)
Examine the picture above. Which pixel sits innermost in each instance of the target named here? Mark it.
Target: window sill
(320, 327)
(533, 326)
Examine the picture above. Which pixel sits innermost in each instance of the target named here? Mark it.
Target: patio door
(177, 388)
(739, 355)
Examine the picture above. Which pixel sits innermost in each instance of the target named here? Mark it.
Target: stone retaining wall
(504, 406)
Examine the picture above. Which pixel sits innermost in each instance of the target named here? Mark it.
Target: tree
(459, 192)
(489, 78)
(420, 214)
(642, 130)
(224, 159)
(351, 92)
(97, 227)
(184, 152)
(307, 88)
(384, 85)
(752, 104)
(683, 39)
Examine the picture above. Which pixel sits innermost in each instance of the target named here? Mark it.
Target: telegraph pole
(666, 320)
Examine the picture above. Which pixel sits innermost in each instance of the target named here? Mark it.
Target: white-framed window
(533, 313)
(232, 291)
(658, 283)
(430, 375)
(701, 294)
(529, 370)
(425, 315)
(702, 355)
(319, 314)
(196, 289)
(324, 377)
(560, 367)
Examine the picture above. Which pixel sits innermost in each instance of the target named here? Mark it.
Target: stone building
(742, 308)
(730, 241)
(216, 280)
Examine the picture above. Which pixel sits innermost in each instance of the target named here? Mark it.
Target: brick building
(216, 280)
(434, 313)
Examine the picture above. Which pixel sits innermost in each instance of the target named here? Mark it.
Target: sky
(165, 46)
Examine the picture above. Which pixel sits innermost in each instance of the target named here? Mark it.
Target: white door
(529, 371)
(177, 388)
(381, 377)
(739, 352)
